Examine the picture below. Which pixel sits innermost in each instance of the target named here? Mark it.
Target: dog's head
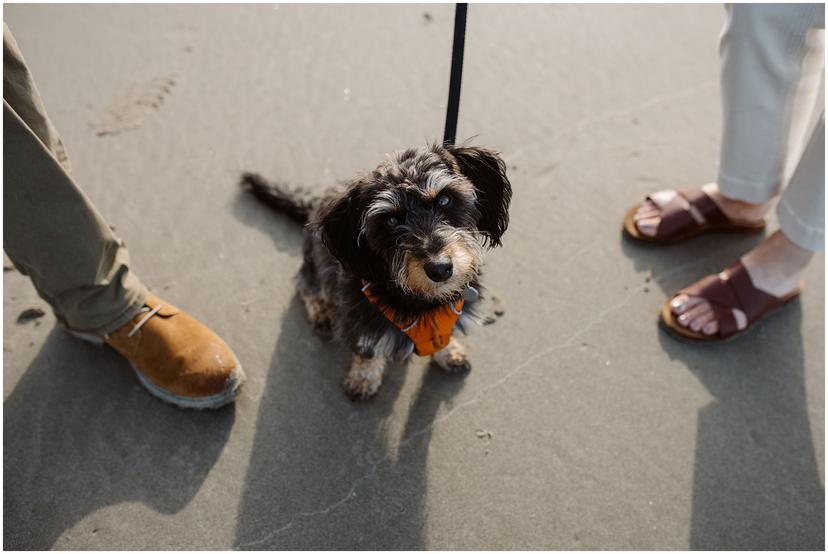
(421, 219)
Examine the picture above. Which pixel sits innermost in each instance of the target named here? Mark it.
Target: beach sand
(581, 424)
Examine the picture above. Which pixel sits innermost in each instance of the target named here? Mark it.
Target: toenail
(677, 304)
(708, 329)
(682, 318)
(695, 326)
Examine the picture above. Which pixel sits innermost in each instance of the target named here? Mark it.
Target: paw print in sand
(128, 111)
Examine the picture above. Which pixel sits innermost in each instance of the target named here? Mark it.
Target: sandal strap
(705, 205)
(732, 288)
(727, 321)
(676, 217)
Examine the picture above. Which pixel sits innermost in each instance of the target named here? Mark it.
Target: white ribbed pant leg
(801, 210)
(772, 67)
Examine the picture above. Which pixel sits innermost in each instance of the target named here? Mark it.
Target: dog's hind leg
(316, 305)
(364, 378)
(318, 312)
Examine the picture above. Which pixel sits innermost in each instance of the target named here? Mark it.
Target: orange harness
(431, 331)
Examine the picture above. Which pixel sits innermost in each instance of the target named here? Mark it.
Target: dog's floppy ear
(487, 172)
(338, 225)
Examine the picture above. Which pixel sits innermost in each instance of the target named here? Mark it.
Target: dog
(392, 259)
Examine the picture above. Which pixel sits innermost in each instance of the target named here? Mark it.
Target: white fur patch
(436, 182)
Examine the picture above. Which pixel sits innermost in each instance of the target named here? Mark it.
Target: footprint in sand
(127, 112)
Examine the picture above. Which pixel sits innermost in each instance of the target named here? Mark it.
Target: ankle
(788, 252)
(776, 266)
(738, 209)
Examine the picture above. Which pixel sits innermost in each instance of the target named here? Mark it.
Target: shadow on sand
(325, 472)
(80, 434)
(756, 483)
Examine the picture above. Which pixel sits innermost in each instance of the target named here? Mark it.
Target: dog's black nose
(438, 270)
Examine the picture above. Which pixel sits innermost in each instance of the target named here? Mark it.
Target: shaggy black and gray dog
(391, 255)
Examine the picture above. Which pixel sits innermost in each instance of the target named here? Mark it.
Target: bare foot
(648, 215)
(775, 267)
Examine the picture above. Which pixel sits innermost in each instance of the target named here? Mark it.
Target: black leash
(450, 133)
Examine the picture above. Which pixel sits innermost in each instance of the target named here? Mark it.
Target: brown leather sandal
(732, 288)
(678, 224)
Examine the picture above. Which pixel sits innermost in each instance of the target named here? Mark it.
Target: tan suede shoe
(176, 357)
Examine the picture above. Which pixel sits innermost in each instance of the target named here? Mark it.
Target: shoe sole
(231, 389)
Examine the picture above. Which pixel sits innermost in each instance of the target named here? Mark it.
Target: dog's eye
(391, 221)
(443, 200)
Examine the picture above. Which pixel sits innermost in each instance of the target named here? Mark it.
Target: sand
(581, 425)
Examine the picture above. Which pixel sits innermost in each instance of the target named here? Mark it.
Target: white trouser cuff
(737, 189)
(800, 233)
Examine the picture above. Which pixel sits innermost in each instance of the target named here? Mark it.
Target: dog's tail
(278, 196)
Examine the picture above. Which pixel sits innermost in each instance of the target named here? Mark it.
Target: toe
(699, 322)
(710, 328)
(648, 226)
(645, 211)
(687, 318)
(649, 214)
(647, 217)
(678, 305)
(682, 303)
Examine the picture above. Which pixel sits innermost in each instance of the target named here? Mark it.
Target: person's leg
(55, 235)
(776, 266)
(771, 68)
(52, 232)
(801, 209)
(770, 79)
(20, 92)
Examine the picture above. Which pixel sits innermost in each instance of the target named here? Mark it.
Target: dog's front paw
(364, 378)
(453, 358)
(320, 318)
(361, 387)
